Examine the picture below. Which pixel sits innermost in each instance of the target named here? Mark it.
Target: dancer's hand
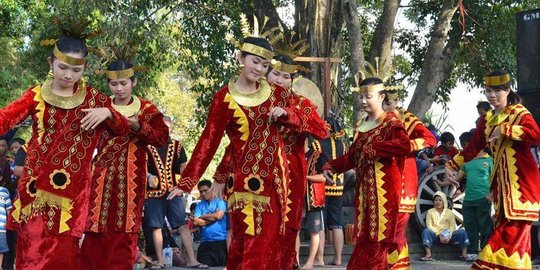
(495, 135)
(276, 113)
(328, 177)
(173, 192)
(134, 122)
(94, 117)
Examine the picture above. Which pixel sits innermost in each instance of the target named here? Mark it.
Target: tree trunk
(437, 62)
(352, 22)
(381, 44)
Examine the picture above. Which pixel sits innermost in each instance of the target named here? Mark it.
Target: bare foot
(307, 266)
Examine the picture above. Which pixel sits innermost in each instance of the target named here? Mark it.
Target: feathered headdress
(68, 26)
(291, 49)
(272, 35)
(382, 71)
(118, 50)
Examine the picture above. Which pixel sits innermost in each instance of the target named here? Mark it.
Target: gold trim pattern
(68, 59)
(496, 80)
(283, 67)
(63, 102)
(120, 74)
(61, 171)
(250, 99)
(257, 50)
(368, 89)
(130, 109)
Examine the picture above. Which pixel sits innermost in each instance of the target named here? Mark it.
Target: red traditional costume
(420, 137)
(315, 195)
(118, 190)
(295, 151)
(51, 210)
(515, 185)
(257, 191)
(377, 155)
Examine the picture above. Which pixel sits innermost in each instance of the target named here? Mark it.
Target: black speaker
(528, 59)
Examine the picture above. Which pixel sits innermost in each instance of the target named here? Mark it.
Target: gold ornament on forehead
(69, 26)
(272, 35)
(117, 50)
(382, 70)
(497, 80)
(291, 49)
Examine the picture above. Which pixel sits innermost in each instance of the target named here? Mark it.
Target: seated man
(441, 228)
(210, 215)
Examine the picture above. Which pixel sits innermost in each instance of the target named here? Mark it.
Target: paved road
(416, 265)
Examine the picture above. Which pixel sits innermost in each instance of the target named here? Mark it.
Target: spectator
(210, 216)
(5, 205)
(482, 107)
(165, 164)
(477, 202)
(15, 144)
(441, 228)
(446, 150)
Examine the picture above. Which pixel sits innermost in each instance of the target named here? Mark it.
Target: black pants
(213, 253)
(9, 257)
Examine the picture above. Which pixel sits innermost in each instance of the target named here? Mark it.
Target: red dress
(515, 184)
(257, 191)
(377, 155)
(295, 149)
(118, 190)
(51, 210)
(420, 137)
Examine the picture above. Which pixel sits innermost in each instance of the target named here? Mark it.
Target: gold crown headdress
(382, 71)
(118, 51)
(292, 50)
(497, 80)
(272, 35)
(70, 27)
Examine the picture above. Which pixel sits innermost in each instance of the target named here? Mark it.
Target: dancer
(119, 176)
(251, 112)
(377, 154)
(420, 137)
(510, 131)
(282, 73)
(68, 118)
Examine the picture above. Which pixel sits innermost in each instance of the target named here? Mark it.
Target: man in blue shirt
(210, 215)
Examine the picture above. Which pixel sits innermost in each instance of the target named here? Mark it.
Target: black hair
(465, 137)
(71, 45)
(447, 137)
(483, 105)
(19, 140)
(192, 207)
(487, 150)
(120, 65)
(388, 92)
(261, 42)
(370, 81)
(513, 97)
(205, 182)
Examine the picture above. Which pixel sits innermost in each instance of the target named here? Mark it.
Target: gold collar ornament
(130, 109)
(492, 81)
(250, 99)
(63, 102)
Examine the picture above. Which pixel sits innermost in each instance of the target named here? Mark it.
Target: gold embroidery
(63, 102)
(130, 109)
(251, 99)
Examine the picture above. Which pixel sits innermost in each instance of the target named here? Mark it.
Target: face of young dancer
(389, 105)
(280, 78)
(121, 89)
(498, 98)
(255, 67)
(371, 102)
(65, 75)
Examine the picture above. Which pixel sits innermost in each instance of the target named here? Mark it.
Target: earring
(241, 66)
(50, 74)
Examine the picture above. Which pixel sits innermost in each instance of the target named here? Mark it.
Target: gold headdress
(118, 51)
(497, 80)
(292, 50)
(272, 35)
(70, 27)
(382, 71)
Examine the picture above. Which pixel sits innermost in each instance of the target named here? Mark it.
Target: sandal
(198, 266)
(157, 266)
(426, 258)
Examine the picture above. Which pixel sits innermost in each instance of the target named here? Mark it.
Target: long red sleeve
(17, 111)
